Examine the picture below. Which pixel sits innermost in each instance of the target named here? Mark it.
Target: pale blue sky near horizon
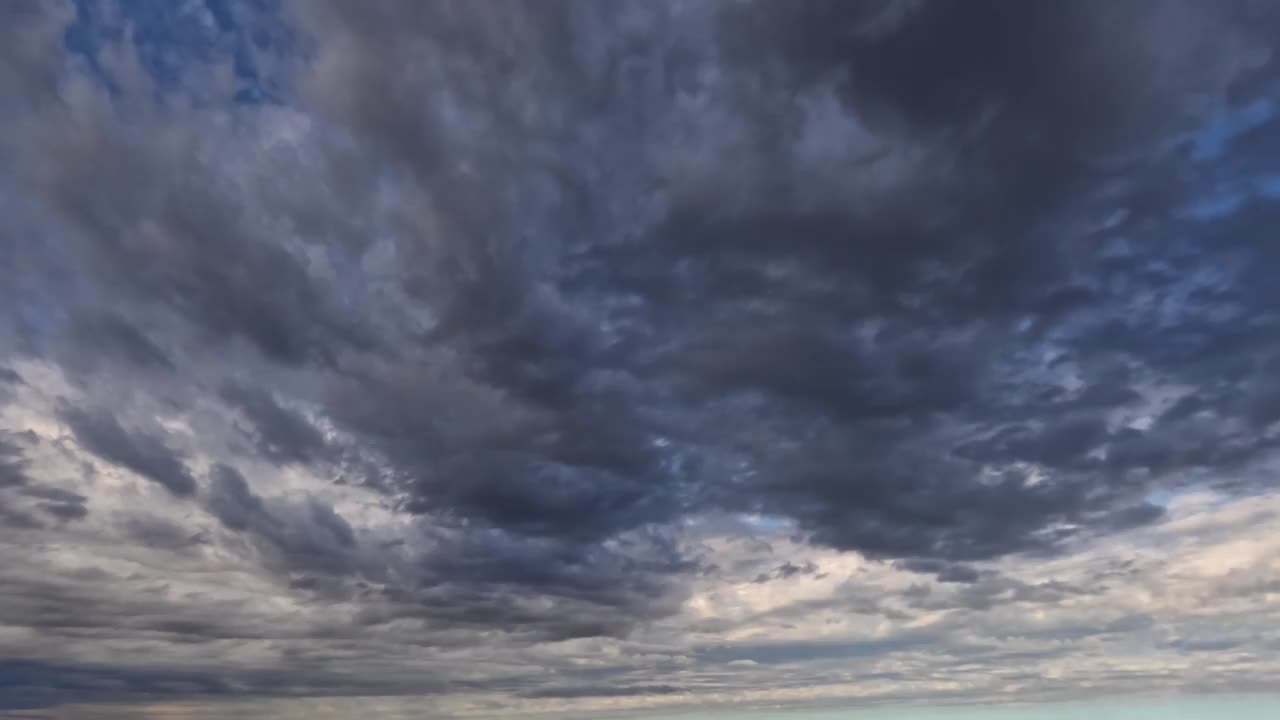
(1211, 707)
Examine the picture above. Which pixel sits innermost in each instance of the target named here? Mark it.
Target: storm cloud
(537, 326)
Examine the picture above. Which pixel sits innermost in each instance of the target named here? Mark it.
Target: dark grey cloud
(892, 334)
(145, 454)
(943, 571)
(302, 537)
(230, 499)
(26, 685)
(786, 571)
(551, 279)
(13, 462)
(16, 483)
(597, 691)
(63, 505)
(279, 433)
(27, 71)
(895, 331)
(156, 532)
(65, 512)
(53, 494)
(19, 519)
(553, 588)
(781, 653)
(114, 335)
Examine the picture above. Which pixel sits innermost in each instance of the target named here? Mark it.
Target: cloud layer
(587, 355)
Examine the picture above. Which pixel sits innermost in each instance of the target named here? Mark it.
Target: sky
(880, 359)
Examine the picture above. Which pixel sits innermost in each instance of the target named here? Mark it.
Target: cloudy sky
(566, 358)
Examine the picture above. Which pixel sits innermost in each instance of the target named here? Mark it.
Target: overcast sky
(568, 358)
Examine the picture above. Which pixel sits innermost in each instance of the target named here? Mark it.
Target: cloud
(60, 504)
(497, 333)
(13, 463)
(279, 433)
(922, 356)
(787, 570)
(598, 691)
(943, 571)
(230, 499)
(144, 454)
(112, 334)
(159, 533)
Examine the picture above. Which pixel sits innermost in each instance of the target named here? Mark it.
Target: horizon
(1249, 706)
